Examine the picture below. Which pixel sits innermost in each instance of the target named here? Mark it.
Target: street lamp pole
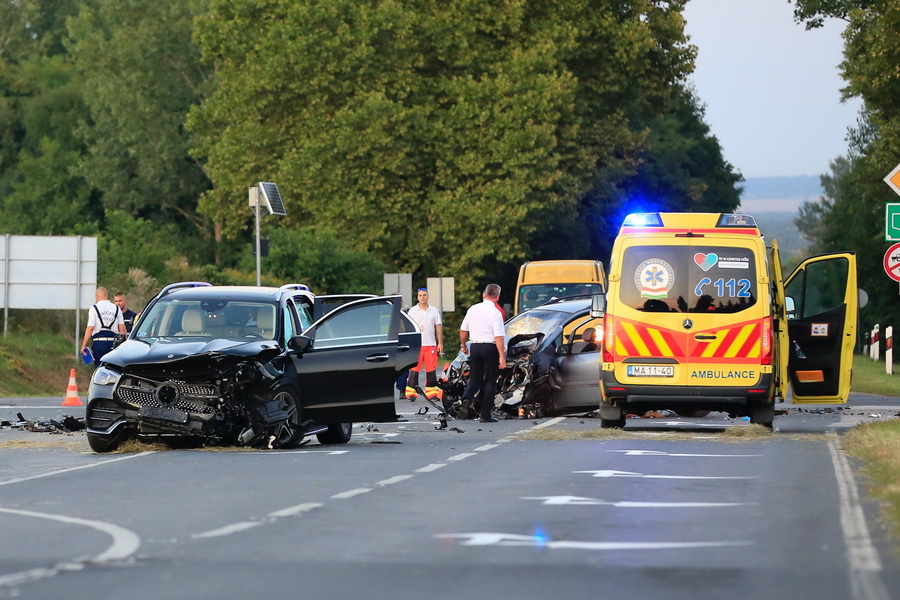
(254, 204)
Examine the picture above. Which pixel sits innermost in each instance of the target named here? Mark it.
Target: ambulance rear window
(688, 279)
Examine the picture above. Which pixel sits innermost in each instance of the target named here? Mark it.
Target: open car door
(821, 308)
(348, 372)
(575, 371)
(327, 303)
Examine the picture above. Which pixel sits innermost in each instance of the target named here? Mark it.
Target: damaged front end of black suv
(221, 392)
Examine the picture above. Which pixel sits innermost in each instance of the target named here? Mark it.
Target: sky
(770, 87)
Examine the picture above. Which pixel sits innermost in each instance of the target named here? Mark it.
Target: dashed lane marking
(351, 493)
(431, 467)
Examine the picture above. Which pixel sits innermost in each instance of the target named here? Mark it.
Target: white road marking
(549, 423)
(301, 508)
(292, 511)
(661, 453)
(603, 473)
(462, 456)
(394, 479)
(228, 529)
(431, 467)
(863, 559)
(510, 539)
(351, 493)
(70, 469)
(581, 501)
(125, 544)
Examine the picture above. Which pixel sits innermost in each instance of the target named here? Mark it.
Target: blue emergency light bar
(643, 220)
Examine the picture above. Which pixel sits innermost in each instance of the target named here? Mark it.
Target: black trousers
(484, 366)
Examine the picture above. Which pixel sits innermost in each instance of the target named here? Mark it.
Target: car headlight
(105, 376)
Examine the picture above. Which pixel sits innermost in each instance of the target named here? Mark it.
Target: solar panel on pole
(272, 197)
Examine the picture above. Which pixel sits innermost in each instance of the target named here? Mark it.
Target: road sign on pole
(893, 180)
(892, 262)
(892, 222)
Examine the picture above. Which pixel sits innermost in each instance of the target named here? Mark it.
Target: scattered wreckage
(61, 424)
(552, 357)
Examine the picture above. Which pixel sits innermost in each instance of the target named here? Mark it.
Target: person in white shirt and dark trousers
(483, 327)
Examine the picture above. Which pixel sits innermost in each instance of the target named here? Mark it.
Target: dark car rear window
(695, 279)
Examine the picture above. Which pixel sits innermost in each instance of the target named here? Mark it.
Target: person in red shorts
(429, 321)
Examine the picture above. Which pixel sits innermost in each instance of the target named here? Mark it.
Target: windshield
(536, 321)
(541, 293)
(171, 317)
(695, 279)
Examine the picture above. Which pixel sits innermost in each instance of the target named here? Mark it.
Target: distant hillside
(775, 203)
(767, 194)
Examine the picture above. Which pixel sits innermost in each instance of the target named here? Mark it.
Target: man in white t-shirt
(429, 321)
(104, 322)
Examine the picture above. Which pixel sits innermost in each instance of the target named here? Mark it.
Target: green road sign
(892, 222)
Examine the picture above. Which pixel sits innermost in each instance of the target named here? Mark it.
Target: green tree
(324, 260)
(851, 215)
(40, 100)
(444, 136)
(141, 72)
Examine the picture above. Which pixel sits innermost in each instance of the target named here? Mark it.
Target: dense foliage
(454, 138)
(851, 215)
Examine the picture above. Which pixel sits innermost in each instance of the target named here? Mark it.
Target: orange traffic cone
(72, 398)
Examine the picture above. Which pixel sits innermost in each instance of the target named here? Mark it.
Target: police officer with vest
(104, 322)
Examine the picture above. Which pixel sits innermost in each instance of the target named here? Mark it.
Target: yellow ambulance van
(543, 280)
(698, 318)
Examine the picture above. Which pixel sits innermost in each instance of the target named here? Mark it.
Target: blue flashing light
(735, 220)
(643, 220)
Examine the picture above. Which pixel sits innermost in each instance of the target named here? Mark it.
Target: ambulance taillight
(609, 337)
(766, 341)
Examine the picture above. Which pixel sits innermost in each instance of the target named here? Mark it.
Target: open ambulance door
(820, 305)
(779, 323)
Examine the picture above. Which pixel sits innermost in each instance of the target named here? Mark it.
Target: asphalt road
(666, 509)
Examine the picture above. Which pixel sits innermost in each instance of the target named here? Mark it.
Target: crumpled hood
(162, 350)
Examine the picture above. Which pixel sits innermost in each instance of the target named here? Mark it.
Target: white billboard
(48, 272)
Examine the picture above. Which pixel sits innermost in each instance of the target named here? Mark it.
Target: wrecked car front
(197, 388)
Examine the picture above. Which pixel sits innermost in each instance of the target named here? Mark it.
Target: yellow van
(698, 318)
(543, 280)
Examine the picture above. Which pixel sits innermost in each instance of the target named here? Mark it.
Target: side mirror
(598, 305)
(789, 308)
(300, 344)
(120, 337)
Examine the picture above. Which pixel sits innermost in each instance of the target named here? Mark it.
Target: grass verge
(877, 445)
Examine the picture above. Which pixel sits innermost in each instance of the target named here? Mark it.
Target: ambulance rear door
(821, 307)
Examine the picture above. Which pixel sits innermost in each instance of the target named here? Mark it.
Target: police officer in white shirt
(483, 326)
